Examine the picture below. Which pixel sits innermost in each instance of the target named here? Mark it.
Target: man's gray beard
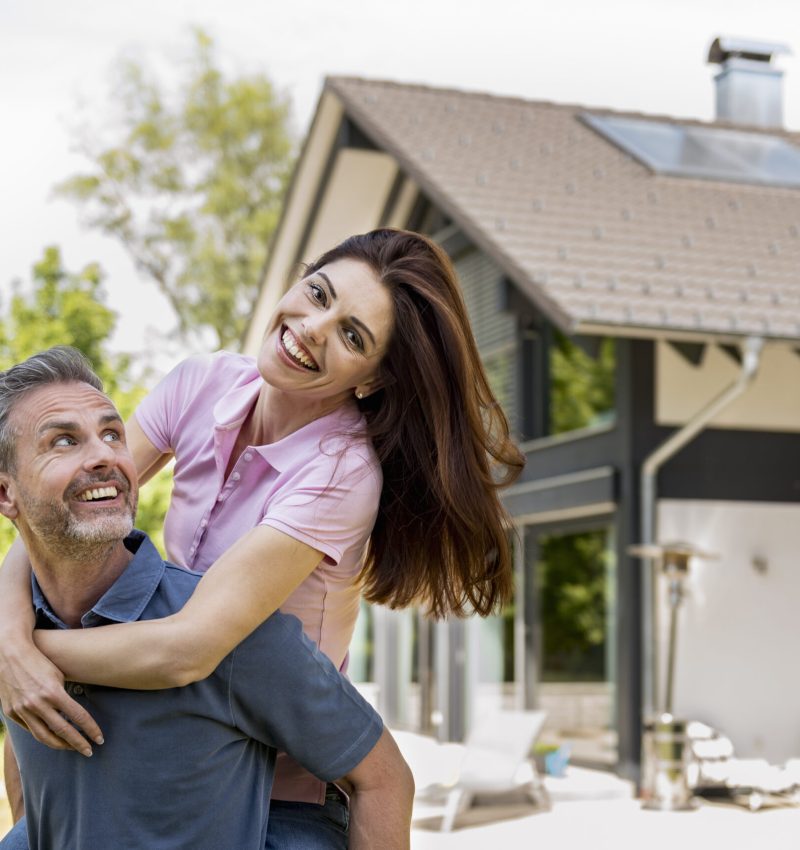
(60, 531)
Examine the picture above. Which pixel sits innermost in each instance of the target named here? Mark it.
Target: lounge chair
(497, 761)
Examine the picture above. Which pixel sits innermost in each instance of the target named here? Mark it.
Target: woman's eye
(353, 338)
(317, 293)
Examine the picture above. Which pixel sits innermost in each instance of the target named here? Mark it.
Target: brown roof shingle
(593, 236)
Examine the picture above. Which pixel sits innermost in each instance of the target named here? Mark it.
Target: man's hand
(32, 694)
(381, 792)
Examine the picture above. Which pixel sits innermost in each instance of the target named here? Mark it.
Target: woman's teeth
(290, 344)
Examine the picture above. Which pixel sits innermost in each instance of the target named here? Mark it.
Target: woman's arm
(31, 687)
(241, 589)
(148, 459)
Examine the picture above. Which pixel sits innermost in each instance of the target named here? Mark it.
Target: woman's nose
(314, 329)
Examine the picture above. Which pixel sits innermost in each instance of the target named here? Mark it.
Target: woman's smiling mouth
(292, 346)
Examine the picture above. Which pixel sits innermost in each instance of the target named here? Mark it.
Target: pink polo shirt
(320, 485)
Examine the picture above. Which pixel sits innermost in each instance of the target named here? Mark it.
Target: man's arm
(381, 792)
(12, 780)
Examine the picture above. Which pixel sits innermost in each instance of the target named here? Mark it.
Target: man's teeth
(98, 493)
(299, 355)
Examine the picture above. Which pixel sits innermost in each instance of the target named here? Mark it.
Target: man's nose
(98, 453)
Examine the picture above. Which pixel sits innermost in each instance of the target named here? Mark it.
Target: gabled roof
(597, 240)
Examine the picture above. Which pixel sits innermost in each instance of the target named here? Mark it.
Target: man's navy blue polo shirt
(189, 767)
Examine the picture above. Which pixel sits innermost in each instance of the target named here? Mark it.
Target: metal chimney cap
(725, 47)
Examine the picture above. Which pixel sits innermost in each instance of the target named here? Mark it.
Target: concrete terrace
(597, 811)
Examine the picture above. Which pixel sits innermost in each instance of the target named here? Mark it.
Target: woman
(366, 420)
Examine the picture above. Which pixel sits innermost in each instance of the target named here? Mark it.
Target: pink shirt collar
(232, 409)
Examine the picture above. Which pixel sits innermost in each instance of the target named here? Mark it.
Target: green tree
(573, 587)
(582, 387)
(67, 308)
(191, 184)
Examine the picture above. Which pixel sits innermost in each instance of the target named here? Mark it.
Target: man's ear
(8, 497)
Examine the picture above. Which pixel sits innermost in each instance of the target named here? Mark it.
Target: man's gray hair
(61, 364)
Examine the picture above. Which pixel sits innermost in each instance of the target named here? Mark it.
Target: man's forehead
(63, 401)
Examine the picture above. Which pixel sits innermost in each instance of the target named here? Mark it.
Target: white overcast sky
(646, 55)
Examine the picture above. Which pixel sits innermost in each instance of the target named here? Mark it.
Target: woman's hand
(32, 694)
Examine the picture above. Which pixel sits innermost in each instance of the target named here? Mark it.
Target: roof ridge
(332, 81)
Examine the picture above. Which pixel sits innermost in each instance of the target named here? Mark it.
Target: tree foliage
(68, 308)
(582, 387)
(573, 581)
(191, 183)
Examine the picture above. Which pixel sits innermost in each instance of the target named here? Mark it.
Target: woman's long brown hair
(441, 538)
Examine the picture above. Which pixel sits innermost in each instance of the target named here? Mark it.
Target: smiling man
(182, 767)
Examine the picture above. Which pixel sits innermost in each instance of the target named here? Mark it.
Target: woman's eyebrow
(356, 321)
(328, 281)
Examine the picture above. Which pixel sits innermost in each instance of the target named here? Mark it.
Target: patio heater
(665, 785)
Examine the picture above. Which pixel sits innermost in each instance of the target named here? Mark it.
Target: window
(712, 153)
(581, 386)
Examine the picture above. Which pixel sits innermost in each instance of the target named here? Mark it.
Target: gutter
(751, 358)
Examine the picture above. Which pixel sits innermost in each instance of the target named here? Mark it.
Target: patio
(596, 810)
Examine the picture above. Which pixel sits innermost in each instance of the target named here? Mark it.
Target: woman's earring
(359, 394)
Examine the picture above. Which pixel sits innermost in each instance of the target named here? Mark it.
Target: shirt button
(77, 690)
(203, 523)
(236, 476)
(248, 456)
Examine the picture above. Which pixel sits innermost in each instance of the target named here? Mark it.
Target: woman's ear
(368, 388)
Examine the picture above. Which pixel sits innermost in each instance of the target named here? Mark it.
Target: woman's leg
(307, 826)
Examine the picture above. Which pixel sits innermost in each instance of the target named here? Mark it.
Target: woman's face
(328, 333)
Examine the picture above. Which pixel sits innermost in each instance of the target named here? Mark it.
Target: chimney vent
(749, 88)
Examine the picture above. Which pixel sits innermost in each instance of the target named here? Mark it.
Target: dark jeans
(307, 826)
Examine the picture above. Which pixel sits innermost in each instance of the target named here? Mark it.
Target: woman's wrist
(15, 634)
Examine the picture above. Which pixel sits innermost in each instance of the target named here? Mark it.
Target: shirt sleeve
(327, 507)
(17, 838)
(287, 694)
(158, 413)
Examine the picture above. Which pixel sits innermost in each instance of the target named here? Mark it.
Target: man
(183, 767)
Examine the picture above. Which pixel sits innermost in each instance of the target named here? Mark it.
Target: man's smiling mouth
(98, 494)
(295, 350)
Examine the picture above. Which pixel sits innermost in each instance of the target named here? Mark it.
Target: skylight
(711, 153)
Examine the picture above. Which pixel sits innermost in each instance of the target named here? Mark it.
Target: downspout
(751, 357)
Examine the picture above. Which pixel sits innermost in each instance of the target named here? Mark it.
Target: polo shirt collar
(232, 409)
(126, 599)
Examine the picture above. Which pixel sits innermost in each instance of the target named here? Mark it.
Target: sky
(643, 55)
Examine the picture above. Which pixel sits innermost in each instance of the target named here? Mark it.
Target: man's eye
(111, 437)
(317, 293)
(63, 441)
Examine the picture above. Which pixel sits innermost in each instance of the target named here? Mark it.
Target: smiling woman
(361, 452)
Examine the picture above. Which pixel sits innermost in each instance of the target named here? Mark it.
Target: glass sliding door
(572, 570)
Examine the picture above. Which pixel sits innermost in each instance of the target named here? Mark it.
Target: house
(622, 271)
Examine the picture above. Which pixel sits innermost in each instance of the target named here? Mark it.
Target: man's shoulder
(177, 584)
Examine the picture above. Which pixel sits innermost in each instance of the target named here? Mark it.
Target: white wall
(771, 402)
(739, 628)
